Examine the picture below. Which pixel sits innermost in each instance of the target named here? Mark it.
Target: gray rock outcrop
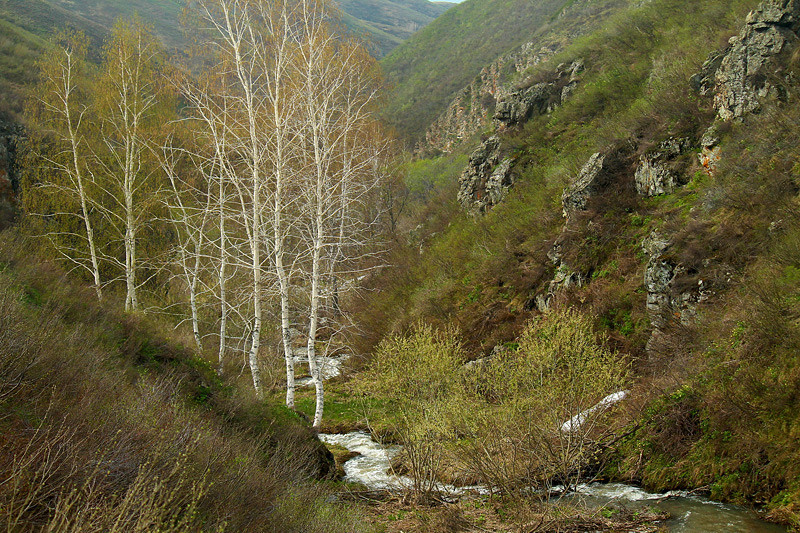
(748, 72)
(710, 151)
(657, 171)
(517, 107)
(487, 178)
(591, 180)
(564, 278)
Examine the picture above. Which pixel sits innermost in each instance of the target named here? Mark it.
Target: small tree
(419, 373)
(546, 405)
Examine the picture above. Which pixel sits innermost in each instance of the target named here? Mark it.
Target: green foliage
(423, 176)
(500, 420)
(416, 372)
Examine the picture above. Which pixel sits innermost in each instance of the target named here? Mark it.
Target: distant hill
(440, 60)
(25, 26)
(389, 22)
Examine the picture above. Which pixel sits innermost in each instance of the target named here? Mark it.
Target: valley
(408, 266)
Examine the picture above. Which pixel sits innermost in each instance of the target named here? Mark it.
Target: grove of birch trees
(240, 184)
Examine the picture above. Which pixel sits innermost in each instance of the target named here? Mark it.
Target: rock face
(710, 151)
(564, 278)
(473, 107)
(657, 279)
(591, 180)
(665, 305)
(658, 172)
(487, 178)
(518, 106)
(747, 72)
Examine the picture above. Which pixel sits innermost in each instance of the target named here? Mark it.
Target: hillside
(109, 423)
(387, 23)
(645, 175)
(429, 69)
(27, 25)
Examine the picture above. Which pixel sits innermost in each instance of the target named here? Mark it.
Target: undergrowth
(107, 423)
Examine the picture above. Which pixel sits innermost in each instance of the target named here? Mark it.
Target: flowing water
(690, 514)
(329, 367)
(370, 468)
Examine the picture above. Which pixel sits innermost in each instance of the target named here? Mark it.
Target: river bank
(595, 506)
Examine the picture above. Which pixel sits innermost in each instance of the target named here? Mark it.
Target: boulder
(590, 181)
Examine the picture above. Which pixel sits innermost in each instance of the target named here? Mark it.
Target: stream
(329, 367)
(690, 513)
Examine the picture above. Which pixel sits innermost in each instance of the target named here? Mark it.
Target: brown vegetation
(108, 426)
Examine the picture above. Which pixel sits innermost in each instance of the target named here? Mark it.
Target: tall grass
(103, 427)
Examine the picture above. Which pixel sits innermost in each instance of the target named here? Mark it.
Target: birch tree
(339, 92)
(128, 98)
(212, 158)
(292, 109)
(251, 40)
(59, 110)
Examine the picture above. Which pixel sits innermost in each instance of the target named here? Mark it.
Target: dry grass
(106, 425)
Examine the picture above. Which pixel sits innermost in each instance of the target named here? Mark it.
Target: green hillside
(164, 15)
(25, 26)
(442, 58)
(437, 62)
(714, 356)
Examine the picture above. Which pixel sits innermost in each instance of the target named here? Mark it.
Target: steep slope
(660, 199)
(108, 423)
(431, 67)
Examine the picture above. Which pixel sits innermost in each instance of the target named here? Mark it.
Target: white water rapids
(329, 367)
(690, 513)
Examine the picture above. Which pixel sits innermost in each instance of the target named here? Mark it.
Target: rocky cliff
(740, 80)
(489, 174)
(473, 108)
(752, 69)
